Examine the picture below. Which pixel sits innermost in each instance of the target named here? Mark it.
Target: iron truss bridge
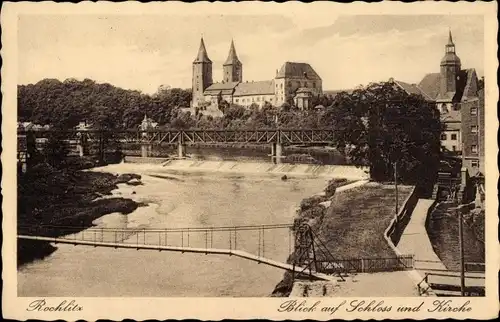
(261, 136)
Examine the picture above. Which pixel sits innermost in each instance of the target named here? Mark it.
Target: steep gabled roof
(255, 88)
(412, 89)
(202, 56)
(298, 70)
(430, 84)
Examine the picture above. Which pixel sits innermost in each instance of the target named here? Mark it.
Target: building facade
(292, 80)
(460, 100)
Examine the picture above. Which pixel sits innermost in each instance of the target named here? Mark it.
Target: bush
(311, 202)
(332, 186)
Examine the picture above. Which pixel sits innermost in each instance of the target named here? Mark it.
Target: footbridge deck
(184, 249)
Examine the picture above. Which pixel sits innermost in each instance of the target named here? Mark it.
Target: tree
(381, 124)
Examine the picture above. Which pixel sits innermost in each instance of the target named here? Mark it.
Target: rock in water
(284, 177)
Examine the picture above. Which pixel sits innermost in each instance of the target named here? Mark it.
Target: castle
(294, 83)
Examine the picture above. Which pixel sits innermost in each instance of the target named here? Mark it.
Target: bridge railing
(261, 240)
(186, 136)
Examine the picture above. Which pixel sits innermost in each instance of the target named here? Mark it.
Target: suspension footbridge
(309, 257)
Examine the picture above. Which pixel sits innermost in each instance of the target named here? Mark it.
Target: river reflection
(194, 200)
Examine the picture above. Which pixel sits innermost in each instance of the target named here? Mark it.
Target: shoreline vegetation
(65, 197)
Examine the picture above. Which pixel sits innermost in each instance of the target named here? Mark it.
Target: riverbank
(65, 197)
(351, 223)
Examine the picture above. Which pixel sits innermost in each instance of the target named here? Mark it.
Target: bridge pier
(181, 150)
(276, 153)
(81, 145)
(145, 150)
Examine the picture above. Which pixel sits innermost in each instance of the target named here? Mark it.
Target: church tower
(202, 74)
(450, 69)
(232, 68)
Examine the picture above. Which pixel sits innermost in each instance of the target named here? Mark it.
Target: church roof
(232, 57)
(412, 89)
(202, 56)
(430, 85)
(255, 88)
(299, 70)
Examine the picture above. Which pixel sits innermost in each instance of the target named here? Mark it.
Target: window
(473, 128)
(443, 136)
(305, 84)
(454, 147)
(236, 100)
(474, 163)
(444, 109)
(473, 110)
(454, 137)
(473, 148)
(281, 85)
(258, 99)
(314, 84)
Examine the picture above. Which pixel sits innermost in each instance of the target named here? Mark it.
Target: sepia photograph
(258, 155)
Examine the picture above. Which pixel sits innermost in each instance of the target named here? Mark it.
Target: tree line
(65, 104)
(379, 124)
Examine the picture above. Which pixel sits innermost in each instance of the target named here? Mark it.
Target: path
(415, 240)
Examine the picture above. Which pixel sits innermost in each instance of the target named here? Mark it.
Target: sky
(145, 51)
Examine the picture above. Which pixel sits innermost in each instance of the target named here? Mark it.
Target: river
(179, 200)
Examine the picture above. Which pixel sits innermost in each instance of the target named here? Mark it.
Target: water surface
(188, 200)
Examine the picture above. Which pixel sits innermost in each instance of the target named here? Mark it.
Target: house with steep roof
(293, 80)
(460, 101)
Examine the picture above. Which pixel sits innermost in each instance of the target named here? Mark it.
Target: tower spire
(202, 56)
(450, 38)
(232, 57)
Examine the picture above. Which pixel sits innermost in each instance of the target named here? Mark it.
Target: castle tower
(202, 74)
(232, 68)
(450, 68)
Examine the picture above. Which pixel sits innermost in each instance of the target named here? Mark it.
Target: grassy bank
(64, 197)
(353, 226)
(311, 212)
(442, 228)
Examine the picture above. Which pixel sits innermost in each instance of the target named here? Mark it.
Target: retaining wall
(403, 217)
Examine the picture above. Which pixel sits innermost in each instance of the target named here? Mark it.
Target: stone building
(460, 100)
(294, 83)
